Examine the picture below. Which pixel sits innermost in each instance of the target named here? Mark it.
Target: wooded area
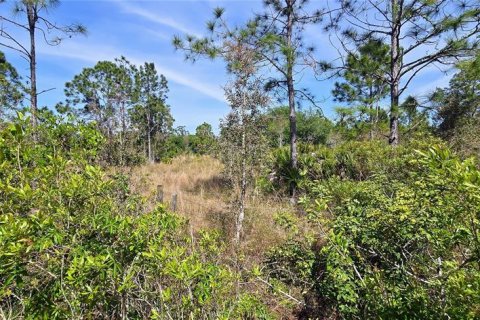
(108, 210)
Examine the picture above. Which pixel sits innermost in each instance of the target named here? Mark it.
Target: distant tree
(312, 126)
(346, 116)
(178, 142)
(277, 123)
(413, 114)
(204, 130)
(11, 88)
(460, 100)
(181, 131)
(365, 75)
(106, 93)
(35, 14)
(203, 142)
(419, 33)
(151, 114)
(92, 93)
(353, 123)
(456, 109)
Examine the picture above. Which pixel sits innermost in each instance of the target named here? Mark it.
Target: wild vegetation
(109, 211)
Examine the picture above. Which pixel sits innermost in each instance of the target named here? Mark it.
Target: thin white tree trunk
(243, 183)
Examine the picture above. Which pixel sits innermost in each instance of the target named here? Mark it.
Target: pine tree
(11, 88)
(151, 114)
(35, 13)
(419, 33)
(365, 82)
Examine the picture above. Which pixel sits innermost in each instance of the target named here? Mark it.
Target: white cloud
(77, 51)
(151, 16)
(95, 53)
(209, 90)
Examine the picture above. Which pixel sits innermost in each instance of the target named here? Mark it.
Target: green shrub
(353, 160)
(75, 243)
(395, 246)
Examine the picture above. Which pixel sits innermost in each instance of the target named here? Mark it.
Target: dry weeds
(204, 198)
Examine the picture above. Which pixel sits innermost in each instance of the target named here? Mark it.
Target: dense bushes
(354, 160)
(74, 243)
(400, 244)
(388, 233)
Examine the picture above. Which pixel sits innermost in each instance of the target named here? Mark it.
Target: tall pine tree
(420, 34)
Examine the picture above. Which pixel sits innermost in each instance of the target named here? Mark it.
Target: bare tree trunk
(32, 20)
(372, 117)
(124, 118)
(393, 138)
(293, 136)
(291, 100)
(372, 122)
(149, 139)
(243, 185)
(395, 66)
(243, 192)
(122, 132)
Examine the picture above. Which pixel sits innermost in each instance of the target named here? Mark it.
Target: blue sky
(142, 31)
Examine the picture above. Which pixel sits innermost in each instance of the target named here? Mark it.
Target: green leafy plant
(76, 243)
(397, 245)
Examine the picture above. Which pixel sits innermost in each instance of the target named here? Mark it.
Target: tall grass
(205, 198)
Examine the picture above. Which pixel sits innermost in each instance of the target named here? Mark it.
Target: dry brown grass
(194, 179)
(204, 198)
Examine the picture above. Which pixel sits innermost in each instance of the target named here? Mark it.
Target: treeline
(377, 61)
(128, 105)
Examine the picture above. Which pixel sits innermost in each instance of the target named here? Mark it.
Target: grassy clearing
(205, 199)
(196, 181)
